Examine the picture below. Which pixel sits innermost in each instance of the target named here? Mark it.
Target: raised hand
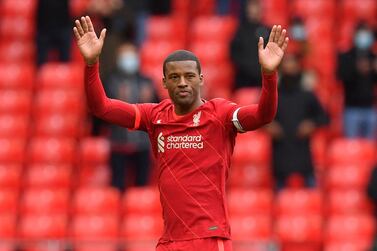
(89, 44)
(271, 56)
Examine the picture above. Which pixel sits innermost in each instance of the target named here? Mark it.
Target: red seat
(250, 175)
(214, 79)
(18, 76)
(8, 201)
(94, 175)
(12, 151)
(355, 10)
(251, 228)
(347, 245)
(43, 226)
(247, 96)
(14, 126)
(142, 227)
(8, 226)
(347, 176)
(299, 228)
(352, 151)
(317, 9)
(18, 7)
(10, 176)
(45, 200)
(94, 151)
(166, 28)
(250, 202)
(96, 200)
(48, 176)
(211, 52)
(52, 151)
(58, 125)
(61, 76)
(154, 52)
(350, 227)
(58, 101)
(297, 201)
(17, 52)
(253, 147)
(348, 201)
(143, 200)
(17, 27)
(94, 228)
(15, 102)
(213, 28)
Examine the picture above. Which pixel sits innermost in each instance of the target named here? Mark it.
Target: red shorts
(206, 244)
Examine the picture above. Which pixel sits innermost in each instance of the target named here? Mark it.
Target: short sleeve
(143, 116)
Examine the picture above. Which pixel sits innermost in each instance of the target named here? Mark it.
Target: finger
(102, 35)
(282, 37)
(277, 34)
(77, 34)
(272, 34)
(285, 44)
(84, 24)
(260, 43)
(90, 25)
(79, 28)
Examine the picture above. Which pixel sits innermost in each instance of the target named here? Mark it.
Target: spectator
(243, 49)
(299, 114)
(372, 194)
(129, 148)
(53, 30)
(357, 70)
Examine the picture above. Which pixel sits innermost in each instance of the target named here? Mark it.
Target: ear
(164, 83)
(201, 78)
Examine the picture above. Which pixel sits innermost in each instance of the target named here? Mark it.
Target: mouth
(183, 93)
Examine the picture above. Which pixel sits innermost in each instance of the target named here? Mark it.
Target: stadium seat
(93, 175)
(96, 246)
(143, 200)
(246, 96)
(58, 101)
(214, 79)
(52, 151)
(299, 228)
(352, 151)
(350, 227)
(8, 201)
(45, 200)
(166, 28)
(249, 175)
(61, 76)
(251, 228)
(94, 228)
(298, 201)
(94, 151)
(17, 52)
(313, 9)
(18, 8)
(348, 201)
(137, 227)
(96, 200)
(8, 226)
(355, 10)
(10, 176)
(12, 151)
(43, 226)
(244, 202)
(213, 28)
(211, 52)
(17, 28)
(347, 176)
(14, 126)
(14, 76)
(48, 176)
(347, 245)
(57, 125)
(275, 12)
(154, 52)
(15, 102)
(253, 148)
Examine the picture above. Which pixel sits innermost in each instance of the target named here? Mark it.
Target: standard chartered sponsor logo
(179, 142)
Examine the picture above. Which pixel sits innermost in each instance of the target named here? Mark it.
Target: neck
(182, 110)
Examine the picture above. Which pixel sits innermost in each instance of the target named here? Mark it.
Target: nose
(182, 82)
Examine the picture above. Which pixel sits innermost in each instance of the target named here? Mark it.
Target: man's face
(183, 82)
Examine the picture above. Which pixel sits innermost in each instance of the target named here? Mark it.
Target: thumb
(102, 35)
(260, 43)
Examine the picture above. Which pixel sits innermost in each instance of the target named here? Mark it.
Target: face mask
(363, 39)
(128, 62)
(298, 32)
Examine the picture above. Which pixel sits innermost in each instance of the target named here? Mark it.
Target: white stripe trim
(236, 122)
(220, 244)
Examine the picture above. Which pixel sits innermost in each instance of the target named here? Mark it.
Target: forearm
(111, 110)
(254, 116)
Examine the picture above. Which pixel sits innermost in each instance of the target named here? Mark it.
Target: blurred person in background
(129, 148)
(357, 69)
(299, 114)
(372, 194)
(53, 30)
(243, 49)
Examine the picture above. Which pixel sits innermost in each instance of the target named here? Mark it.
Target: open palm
(271, 56)
(89, 44)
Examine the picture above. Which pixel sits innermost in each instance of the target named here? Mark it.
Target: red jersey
(192, 152)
